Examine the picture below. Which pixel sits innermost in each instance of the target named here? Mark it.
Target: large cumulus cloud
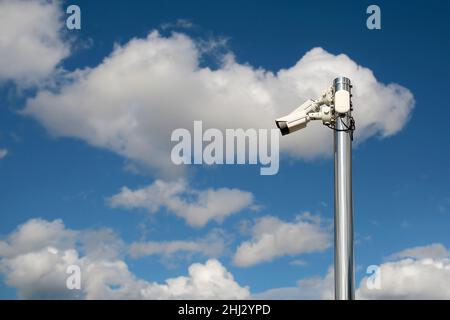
(132, 101)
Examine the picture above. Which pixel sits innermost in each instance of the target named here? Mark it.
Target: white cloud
(35, 235)
(313, 288)
(197, 207)
(212, 245)
(179, 24)
(141, 92)
(421, 272)
(434, 251)
(35, 257)
(408, 278)
(272, 238)
(3, 153)
(31, 45)
(298, 262)
(206, 281)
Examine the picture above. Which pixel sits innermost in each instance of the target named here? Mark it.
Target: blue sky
(401, 193)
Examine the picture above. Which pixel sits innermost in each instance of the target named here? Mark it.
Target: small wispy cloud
(298, 262)
(179, 24)
(3, 153)
(432, 251)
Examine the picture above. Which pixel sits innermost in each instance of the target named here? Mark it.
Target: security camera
(296, 120)
(310, 110)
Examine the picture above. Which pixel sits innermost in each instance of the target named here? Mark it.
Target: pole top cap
(342, 83)
(342, 80)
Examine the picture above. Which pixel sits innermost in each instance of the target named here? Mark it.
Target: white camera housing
(297, 119)
(342, 101)
(310, 110)
(342, 95)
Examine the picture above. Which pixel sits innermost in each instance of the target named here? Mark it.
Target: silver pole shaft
(343, 209)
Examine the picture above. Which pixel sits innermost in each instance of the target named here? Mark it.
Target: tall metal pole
(343, 208)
